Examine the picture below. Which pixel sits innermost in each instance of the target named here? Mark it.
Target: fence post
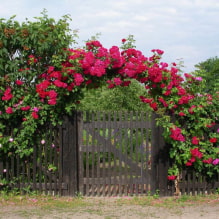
(159, 160)
(70, 153)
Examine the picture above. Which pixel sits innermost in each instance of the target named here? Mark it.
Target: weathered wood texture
(100, 154)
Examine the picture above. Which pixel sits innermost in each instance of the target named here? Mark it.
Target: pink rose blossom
(36, 109)
(9, 110)
(43, 141)
(215, 162)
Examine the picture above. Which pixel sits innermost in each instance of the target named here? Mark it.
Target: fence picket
(114, 153)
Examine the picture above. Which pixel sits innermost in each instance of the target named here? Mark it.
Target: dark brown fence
(100, 154)
(40, 171)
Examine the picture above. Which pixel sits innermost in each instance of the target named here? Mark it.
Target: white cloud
(185, 29)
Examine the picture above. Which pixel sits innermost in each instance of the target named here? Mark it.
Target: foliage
(117, 99)
(189, 119)
(209, 71)
(26, 51)
(42, 81)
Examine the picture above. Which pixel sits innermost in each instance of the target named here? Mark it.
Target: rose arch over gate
(187, 115)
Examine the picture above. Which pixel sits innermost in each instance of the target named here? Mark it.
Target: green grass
(49, 202)
(170, 202)
(42, 201)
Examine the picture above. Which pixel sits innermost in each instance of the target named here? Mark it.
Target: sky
(186, 30)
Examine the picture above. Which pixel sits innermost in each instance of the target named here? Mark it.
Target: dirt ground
(109, 208)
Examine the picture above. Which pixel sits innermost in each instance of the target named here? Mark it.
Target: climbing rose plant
(30, 100)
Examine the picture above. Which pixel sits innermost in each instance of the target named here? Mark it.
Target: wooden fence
(99, 154)
(40, 171)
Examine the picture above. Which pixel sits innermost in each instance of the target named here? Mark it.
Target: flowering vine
(187, 115)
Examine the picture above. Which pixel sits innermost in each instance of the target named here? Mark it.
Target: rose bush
(38, 89)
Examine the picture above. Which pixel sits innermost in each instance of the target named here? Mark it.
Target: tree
(209, 71)
(116, 99)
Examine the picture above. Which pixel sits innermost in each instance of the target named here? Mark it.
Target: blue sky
(186, 30)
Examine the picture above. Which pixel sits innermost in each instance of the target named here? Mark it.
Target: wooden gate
(115, 153)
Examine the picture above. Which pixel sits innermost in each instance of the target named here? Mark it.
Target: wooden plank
(45, 149)
(50, 158)
(121, 161)
(154, 157)
(34, 165)
(116, 151)
(40, 186)
(87, 155)
(122, 124)
(131, 152)
(12, 166)
(141, 157)
(148, 145)
(18, 171)
(55, 159)
(104, 153)
(126, 172)
(98, 160)
(80, 154)
(40, 167)
(109, 158)
(117, 181)
(93, 157)
(114, 189)
(182, 183)
(60, 158)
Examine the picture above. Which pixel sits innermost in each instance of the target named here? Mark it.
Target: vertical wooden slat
(22, 178)
(34, 165)
(60, 137)
(45, 149)
(93, 144)
(40, 167)
(198, 184)
(130, 155)
(189, 183)
(1, 167)
(138, 147)
(80, 153)
(50, 158)
(154, 157)
(148, 145)
(121, 165)
(104, 156)
(88, 115)
(114, 142)
(163, 164)
(183, 184)
(98, 153)
(55, 176)
(7, 170)
(110, 156)
(12, 166)
(56, 161)
(28, 170)
(18, 172)
(126, 168)
(141, 158)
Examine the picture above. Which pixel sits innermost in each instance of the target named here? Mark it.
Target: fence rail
(100, 154)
